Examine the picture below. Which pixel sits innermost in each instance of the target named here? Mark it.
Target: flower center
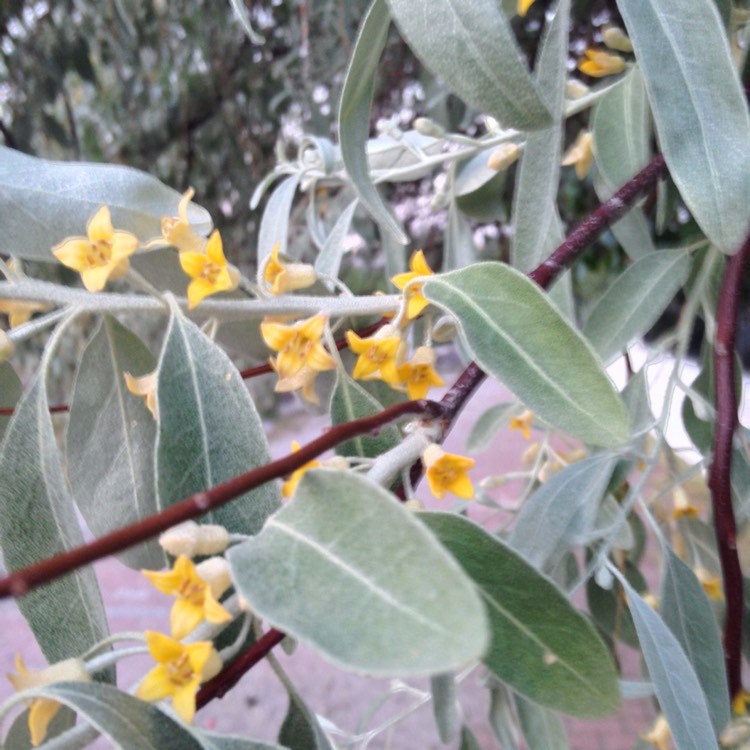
(180, 671)
(210, 272)
(374, 354)
(192, 591)
(99, 254)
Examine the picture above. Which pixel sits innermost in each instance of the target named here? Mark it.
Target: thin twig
(719, 480)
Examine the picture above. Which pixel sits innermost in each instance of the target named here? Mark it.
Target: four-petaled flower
(598, 63)
(102, 255)
(178, 231)
(416, 300)
(301, 354)
(580, 154)
(287, 277)
(659, 734)
(209, 271)
(446, 472)
(179, 671)
(523, 6)
(379, 355)
(523, 422)
(290, 485)
(683, 506)
(144, 386)
(711, 583)
(43, 710)
(419, 373)
(197, 590)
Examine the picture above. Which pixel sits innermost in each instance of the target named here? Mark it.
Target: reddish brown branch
(229, 677)
(721, 464)
(21, 581)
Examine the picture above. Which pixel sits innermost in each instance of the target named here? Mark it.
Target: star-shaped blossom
(580, 154)
(659, 734)
(43, 710)
(418, 269)
(418, 374)
(299, 346)
(290, 485)
(379, 355)
(209, 271)
(597, 63)
(144, 386)
(179, 671)
(446, 472)
(197, 590)
(523, 6)
(287, 277)
(100, 256)
(523, 422)
(178, 231)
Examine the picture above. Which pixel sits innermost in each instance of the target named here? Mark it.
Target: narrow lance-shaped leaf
(550, 653)
(635, 300)
(403, 605)
(208, 429)
(699, 108)
(328, 261)
(534, 202)
(42, 202)
(274, 224)
(689, 615)
(444, 705)
(10, 392)
(38, 521)
(354, 114)
(110, 440)
(472, 48)
(520, 338)
(216, 741)
(680, 695)
(542, 729)
(300, 729)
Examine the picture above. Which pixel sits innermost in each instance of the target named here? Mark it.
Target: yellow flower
(298, 346)
(416, 300)
(102, 255)
(197, 591)
(580, 154)
(659, 734)
(286, 277)
(739, 703)
(143, 386)
(20, 312)
(711, 584)
(523, 422)
(503, 156)
(419, 373)
(179, 671)
(43, 710)
(523, 6)
(379, 355)
(303, 380)
(288, 488)
(177, 230)
(447, 472)
(683, 506)
(599, 63)
(210, 272)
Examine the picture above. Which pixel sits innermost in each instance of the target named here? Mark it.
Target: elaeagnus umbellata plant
(162, 453)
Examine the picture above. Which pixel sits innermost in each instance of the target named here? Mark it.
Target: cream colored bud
(615, 38)
(191, 539)
(414, 504)
(213, 666)
(575, 89)
(735, 733)
(7, 347)
(503, 156)
(431, 454)
(243, 604)
(215, 572)
(73, 670)
(426, 126)
(444, 330)
(529, 456)
(339, 463)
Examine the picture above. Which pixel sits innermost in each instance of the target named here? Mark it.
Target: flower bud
(426, 126)
(215, 572)
(503, 156)
(191, 539)
(615, 38)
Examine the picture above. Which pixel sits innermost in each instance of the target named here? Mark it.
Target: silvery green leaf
(542, 729)
(42, 202)
(110, 440)
(39, 520)
(689, 615)
(635, 300)
(126, 721)
(699, 108)
(609, 524)
(468, 740)
(208, 429)
(520, 338)
(635, 396)
(10, 392)
(402, 159)
(472, 174)
(403, 605)
(606, 607)
(216, 741)
(538, 177)
(471, 46)
(444, 705)
(678, 690)
(354, 114)
(274, 224)
(240, 11)
(19, 736)
(550, 654)
(459, 250)
(351, 401)
(328, 261)
(501, 718)
(561, 510)
(484, 429)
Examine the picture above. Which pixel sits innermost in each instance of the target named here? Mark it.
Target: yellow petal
(193, 263)
(155, 685)
(167, 582)
(215, 249)
(523, 6)
(417, 303)
(213, 611)
(184, 618)
(41, 713)
(72, 252)
(419, 264)
(182, 207)
(95, 279)
(462, 487)
(100, 226)
(123, 245)
(198, 290)
(183, 700)
(163, 648)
